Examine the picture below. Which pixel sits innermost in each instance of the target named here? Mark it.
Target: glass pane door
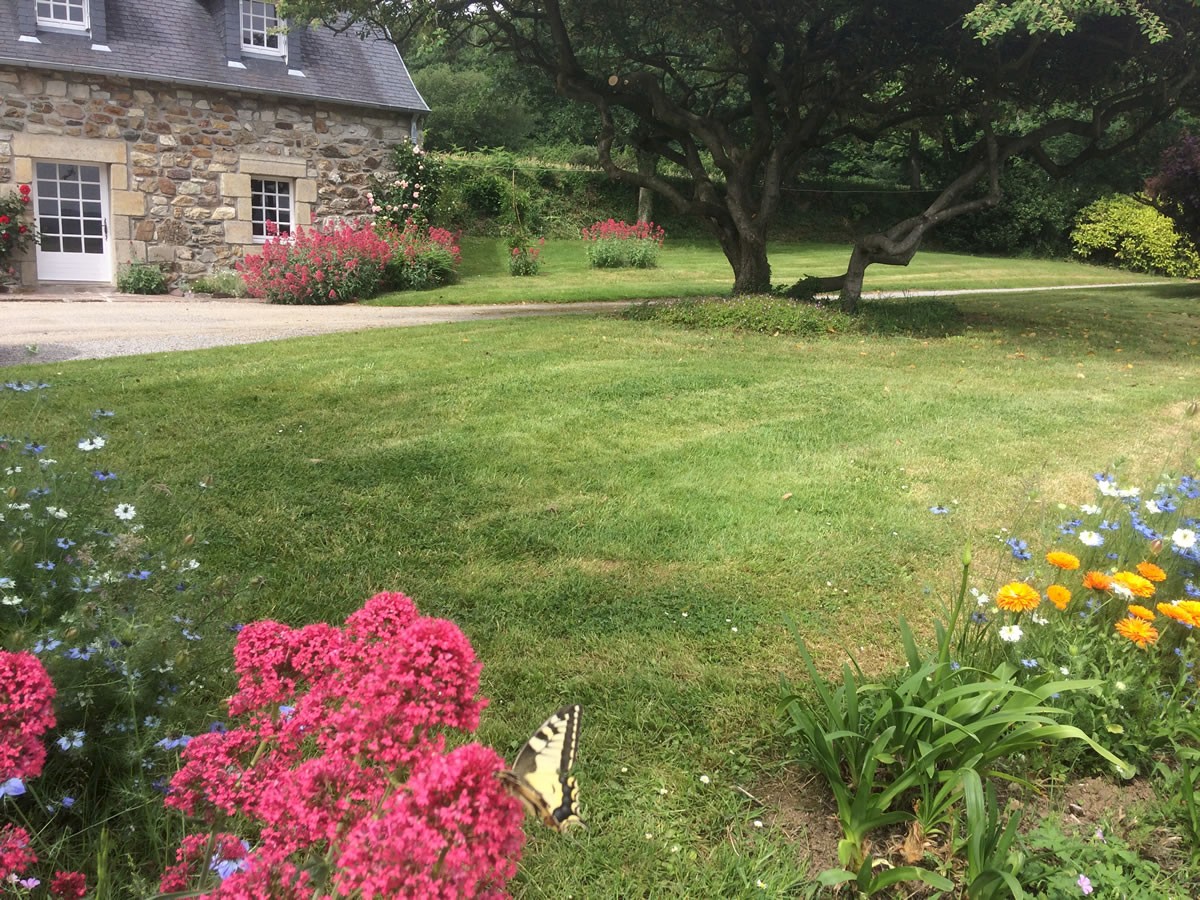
(72, 218)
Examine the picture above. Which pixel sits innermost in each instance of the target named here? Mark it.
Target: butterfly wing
(540, 775)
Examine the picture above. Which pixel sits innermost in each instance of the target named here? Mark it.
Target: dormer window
(69, 15)
(262, 32)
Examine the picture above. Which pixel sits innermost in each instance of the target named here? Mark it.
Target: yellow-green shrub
(1135, 236)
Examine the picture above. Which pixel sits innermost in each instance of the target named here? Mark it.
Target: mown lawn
(697, 268)
(620, 514)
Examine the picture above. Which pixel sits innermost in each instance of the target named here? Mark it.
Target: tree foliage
(1175, 188)
(740, 95)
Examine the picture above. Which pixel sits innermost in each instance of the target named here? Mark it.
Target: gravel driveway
(106, 325)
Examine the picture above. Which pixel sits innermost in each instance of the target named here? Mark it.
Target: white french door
(72, 219)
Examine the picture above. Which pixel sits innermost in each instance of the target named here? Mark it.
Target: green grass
(600, 503)
(690, 269)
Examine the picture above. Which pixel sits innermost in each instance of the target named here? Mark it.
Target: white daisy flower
(1090, 509)
(56, 512)
(1152, 507)
(92, 443)
(704, 779)
(124, 512)
(1184, 538)
(1091, 538)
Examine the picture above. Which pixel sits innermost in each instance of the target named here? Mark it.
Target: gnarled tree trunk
(747, 255)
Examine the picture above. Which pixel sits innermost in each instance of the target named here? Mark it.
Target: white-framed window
(260, 29)
(69, 14)
(270, 207)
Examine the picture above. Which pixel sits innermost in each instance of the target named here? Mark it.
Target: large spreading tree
(740, 94)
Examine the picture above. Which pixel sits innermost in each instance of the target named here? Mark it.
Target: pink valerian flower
(350, 256)
(367, 707)
(15, 853)
(26, 714)
(382, 617)
(454, 830)
(274, 662)
(613, 230)
(69, 885)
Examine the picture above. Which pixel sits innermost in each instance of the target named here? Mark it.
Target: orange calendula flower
(1140, 612)
(1138, 586)
(1097, 581)
(1058, 595)
(1179, 613)
(1141, 633)
(1063, 560)
(1018, 597)
(1151, 572)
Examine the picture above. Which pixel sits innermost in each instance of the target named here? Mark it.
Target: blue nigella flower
(217, 728)
(64, 543)
(104, 476)
(38, 492)
(172, 743)
(227, 867)
(954, 666)
(139, 575)
(14, 787)
(1020, 549)
(979, 618)
(72, 741)
(939, 510)
(1106, 525)
(1191, 589)
(190, 635)
(45, 565)
(34, 449)
(1029, 663)
(68, 802)
(46, 646)
(151, 721)
(83, 653)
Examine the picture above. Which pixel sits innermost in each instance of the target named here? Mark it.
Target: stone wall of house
(180, 159)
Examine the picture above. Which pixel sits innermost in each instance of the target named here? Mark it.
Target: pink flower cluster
(333, 264)
(613, 230)
(26, 713)
(340, 756)
(15, 853)
(415, 240)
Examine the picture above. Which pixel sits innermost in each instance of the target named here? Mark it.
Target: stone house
(174, 131)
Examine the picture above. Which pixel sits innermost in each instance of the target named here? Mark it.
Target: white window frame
(258, 209)
(255, 20)
(52, 22)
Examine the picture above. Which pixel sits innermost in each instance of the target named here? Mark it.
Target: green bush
(226, 283)
(486, 194)
(1122, 230)
(141, 278)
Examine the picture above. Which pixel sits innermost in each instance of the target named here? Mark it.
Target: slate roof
(184, 42)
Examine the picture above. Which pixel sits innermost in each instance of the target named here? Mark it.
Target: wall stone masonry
(180, 160)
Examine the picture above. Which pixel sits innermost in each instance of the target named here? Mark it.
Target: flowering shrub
(615, 245)
(101, 671)
(333, 264)
(411, 191)
(335, 770)
(16, 231)
(421, 256)
(1116, 599)
(524, 255)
